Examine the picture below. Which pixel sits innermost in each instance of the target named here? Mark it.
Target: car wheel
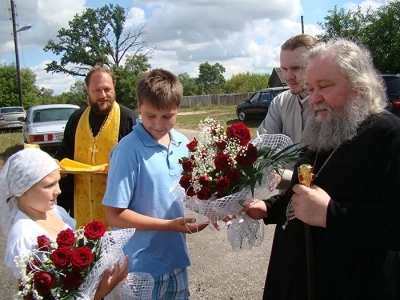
(242, 115)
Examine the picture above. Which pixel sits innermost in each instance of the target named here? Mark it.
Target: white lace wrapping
(136, 286)
(243, 232)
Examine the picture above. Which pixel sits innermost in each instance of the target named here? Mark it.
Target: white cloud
(46, 18)
(57, 82)
(243, 36)
(365, 5)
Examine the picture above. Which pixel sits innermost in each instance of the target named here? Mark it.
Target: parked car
(392, 82)
(257, 105)
(12, 117)
(44, 124)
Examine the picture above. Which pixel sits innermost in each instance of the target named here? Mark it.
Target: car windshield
(52, 114)
(6, 110)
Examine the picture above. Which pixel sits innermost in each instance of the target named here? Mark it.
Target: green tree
(190, 87)
(246, 82)
(382, 37)
(211, 77)
(127, 77)
(77, 93)
(9, 95)
(96, 36)
(377, 30)
(345, 24)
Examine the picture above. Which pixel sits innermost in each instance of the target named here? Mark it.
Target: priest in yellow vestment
(89, 189)
(89, 136)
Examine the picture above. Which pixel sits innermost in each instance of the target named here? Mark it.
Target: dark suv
(392, 82)
(257, 105)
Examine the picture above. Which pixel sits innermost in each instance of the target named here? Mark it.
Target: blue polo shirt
(141, 174)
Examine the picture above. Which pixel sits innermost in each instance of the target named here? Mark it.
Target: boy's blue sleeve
(121, 179)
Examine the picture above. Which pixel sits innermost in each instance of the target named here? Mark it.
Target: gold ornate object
(306, 175)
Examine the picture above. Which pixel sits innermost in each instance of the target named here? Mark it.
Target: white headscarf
(21, 171)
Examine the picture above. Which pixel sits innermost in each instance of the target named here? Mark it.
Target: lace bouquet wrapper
(225, 171)
(137, 286)
(72, 267)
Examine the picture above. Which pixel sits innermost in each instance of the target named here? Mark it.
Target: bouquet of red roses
(71, 267)
(226, 169)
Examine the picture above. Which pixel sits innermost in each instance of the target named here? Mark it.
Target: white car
(44, 124)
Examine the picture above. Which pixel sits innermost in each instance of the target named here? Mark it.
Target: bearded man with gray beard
(353, 205)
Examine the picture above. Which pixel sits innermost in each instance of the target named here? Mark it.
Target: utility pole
(16, 52)
(302, 25)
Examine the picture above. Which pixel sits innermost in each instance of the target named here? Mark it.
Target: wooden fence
(215, 99)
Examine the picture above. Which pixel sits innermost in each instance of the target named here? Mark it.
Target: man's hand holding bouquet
(226, 170)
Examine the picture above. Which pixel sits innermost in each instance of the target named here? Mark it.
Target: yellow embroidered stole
(89, 189)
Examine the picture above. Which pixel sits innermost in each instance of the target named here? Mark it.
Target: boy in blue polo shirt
(143, 167)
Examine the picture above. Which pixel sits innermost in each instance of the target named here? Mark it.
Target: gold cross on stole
(94, 150)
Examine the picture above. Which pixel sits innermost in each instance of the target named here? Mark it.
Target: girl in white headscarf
(28, 208)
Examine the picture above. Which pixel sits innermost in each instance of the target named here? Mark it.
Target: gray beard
(340, 125)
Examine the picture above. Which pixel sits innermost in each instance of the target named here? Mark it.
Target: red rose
(72, 280)
(222, 161)
(66, 238)
(204, 181)
(61, 257)
(185, 181)
(221, 145)
(233, 175)
(82, 257)
(95, 230)
(187, 164)
(204, 194)
(222, 184)
(43, 243)
(247, 157)
(192, 146)
(43, 282)
(239, 131)
(190, 192)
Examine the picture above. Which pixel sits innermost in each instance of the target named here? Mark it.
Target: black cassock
(355, 256)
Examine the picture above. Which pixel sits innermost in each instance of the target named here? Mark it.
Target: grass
(10, 142)
(189, 118)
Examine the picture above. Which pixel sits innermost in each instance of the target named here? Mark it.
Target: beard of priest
(90, 135)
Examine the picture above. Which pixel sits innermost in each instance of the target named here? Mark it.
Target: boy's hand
(186, 225)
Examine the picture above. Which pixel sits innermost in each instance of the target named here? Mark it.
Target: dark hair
(96, 69)
(160, 89)
(301, 40)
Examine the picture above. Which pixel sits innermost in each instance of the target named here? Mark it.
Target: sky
(242, 35)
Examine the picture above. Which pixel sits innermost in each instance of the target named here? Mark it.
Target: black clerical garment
(352, 254)
(66, 150)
